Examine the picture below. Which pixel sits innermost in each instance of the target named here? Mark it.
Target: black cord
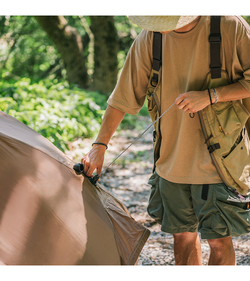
(101, 143)
(210, 97)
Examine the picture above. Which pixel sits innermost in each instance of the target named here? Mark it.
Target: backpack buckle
(215, 38)
(215, 71)
(154, 80)
(213, 147)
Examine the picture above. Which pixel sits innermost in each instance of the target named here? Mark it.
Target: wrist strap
(100, 144)
(210, 97)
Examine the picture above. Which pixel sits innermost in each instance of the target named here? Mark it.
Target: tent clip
(79, 171)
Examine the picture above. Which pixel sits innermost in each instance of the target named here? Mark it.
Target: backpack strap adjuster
(156, 64)
(213, 147)
(215, 38)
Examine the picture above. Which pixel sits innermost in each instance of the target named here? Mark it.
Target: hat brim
(161, 23)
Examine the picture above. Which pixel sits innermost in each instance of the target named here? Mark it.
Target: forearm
(230, 92)
(94, 159)
(111, 120)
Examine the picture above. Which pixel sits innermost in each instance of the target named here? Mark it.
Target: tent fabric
(51, 216)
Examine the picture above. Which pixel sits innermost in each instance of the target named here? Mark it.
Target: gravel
(127, 180)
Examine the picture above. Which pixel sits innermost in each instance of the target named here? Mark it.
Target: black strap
(211, 148)
(157, 50)
(204, 192)
(215, 42)
(210, 96)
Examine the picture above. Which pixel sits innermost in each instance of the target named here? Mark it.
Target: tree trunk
(105, 53)
(69, 45)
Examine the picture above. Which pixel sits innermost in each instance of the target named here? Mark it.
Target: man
(184, 165)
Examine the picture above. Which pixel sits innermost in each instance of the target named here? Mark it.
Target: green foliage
(127, 32)
(136, 121)
(26, 49)
(247, 18)
(56, 110)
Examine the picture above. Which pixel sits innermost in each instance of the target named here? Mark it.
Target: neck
(185, 28)
(188, 27)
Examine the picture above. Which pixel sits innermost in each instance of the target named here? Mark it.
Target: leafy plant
(56, 110)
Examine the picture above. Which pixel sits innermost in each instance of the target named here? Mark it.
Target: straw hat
(161, 23)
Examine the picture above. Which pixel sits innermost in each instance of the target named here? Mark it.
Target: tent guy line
(79, 167)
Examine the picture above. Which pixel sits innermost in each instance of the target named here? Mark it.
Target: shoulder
(145, 38)
(145, 35)
(235, 25)
(142, 45)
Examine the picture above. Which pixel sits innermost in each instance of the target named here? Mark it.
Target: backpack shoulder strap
(157, 57)
(215, 43)
(154, 92)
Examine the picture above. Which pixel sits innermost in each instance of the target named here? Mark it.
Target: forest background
(58, 71)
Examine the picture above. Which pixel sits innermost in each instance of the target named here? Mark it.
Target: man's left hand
(193, 101)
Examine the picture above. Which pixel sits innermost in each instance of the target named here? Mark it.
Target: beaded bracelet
(216, 96)
(100, 144)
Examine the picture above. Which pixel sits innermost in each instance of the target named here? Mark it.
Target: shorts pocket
(233, 210)
(219, 225)
(155, 206)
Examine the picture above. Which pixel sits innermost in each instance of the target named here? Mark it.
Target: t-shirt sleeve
(130, 91)
(243, 53)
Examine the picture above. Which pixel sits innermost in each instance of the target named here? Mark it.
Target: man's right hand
(93, 160)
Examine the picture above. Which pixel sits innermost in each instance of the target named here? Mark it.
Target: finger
(180, 99)
(84, 159)
(184, 105)
(90, 171)
(99, 169)
(85, 166)
(186, 108)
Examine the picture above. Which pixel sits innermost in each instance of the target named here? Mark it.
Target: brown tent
(51, 216)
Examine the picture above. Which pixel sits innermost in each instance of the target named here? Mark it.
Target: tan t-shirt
(185, 64)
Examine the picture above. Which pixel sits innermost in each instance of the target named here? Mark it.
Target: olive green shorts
(213, 210)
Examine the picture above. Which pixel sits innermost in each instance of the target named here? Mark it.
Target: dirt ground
(127, 180)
